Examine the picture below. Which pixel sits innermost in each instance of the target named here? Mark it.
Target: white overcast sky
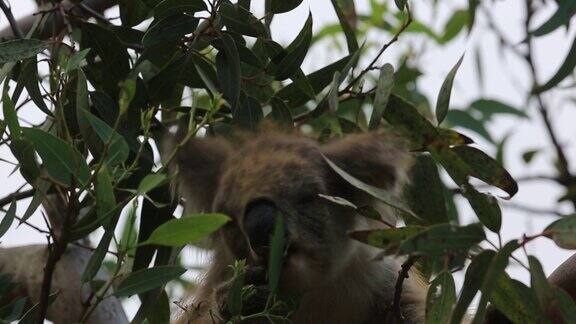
(503, 76)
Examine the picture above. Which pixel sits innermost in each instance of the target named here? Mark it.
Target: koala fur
(336, 279)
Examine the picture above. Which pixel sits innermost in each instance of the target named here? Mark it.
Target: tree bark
(25, 263)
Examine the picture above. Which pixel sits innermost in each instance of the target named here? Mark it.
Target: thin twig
(402, 275)
(565, 177)
(17, 196)
(13, 24)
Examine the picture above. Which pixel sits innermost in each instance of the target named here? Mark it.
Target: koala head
(283, 175)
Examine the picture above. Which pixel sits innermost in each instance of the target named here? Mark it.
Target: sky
(505, 79)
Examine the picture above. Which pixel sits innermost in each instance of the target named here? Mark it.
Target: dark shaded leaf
(425, 192)
(169, 28)
(281, 113)
(441, 298)
(349, 33)
(60, 159)
(485, 206)
(487, 169)
(443, 239)
(490, 107)
(248, 115)
(388, 238)
(443, 102)
(383, 90)
(296, 52)
(281, 6)
(566, 69)
(472, 281)
(241, 21)
(463, 119)
(147, 279)
(117, 147)
(493, 273)
(563, 232)
(277, 248)
(8, 219)
(566, 9)
(169, 7)
(228, 70)
(19, 49)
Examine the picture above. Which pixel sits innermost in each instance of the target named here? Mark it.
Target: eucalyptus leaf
(147, 279)
(187, 229)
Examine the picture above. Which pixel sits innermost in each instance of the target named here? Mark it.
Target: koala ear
(376, 159)
(197, 168)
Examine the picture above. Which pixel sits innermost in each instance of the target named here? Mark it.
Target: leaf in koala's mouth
(277, 248)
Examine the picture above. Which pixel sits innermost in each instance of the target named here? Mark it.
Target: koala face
(284, 176)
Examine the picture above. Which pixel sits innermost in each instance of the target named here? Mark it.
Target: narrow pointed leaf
(443, 102)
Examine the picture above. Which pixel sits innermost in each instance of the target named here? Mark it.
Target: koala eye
(259, 219)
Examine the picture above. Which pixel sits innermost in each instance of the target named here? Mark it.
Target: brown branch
(13, 24)
(16, 196)
(55, 252)
(55, 22)
(565, 177)
(402, 275)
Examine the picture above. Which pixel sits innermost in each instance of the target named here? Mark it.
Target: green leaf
(296, 52)
(31, 315)
(443, 102)
(187, 229)
(29, 80)
(465, 120)
(13, 310)
(281, 113)
(150, 182)
(541, 286)
(383, 195)
(349, 33)
(228, 70)
(105, 204)
(75, 60)
(490, 107)
(117, 147)
(441, 298)
(60, 159)
(169, 7)
(10, 116)
(388, 238)
(281, 6)
(566, 69)
(318, 80)
(516, 301)
(485, 206)
(248, 115)
(133, 12)
(277, 248)
(383, 90)
(563, 232)
(407, 120)
(235, 293)
(147, 279)
(401, 4)
(425, 192)
(564, 302)
(169, 28)
(8, 219)
(528, 156)
(566, 9)
(494, 271)
(19, 49)
(239, 20)
(487, 169)
(472, 281)
(454, 25)
(443, 239)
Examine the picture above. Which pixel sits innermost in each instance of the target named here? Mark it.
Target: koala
(334, 278)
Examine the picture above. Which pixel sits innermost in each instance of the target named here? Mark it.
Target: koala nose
(259, 220)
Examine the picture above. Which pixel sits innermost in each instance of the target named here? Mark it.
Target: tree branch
(55, 23)
(16, 196)
(13, 24)
(402, 275)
